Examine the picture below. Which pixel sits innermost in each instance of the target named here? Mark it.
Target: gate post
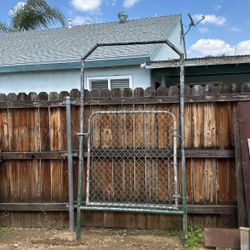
(81, 161)
(70, 164)
(182, 143)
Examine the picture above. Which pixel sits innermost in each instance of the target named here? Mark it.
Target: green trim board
(116, 63)
(73, 65)
(205, 70)
(39, 67)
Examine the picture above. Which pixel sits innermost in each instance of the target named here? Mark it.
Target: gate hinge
(83, 134)
(1, 155)
(177, 196)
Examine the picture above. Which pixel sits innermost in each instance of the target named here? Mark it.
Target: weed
(194, 237)
(5, 230)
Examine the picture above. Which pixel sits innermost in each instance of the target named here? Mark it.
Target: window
(99, 84)
(111, 82)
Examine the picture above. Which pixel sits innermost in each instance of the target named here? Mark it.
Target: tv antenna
(192, 24)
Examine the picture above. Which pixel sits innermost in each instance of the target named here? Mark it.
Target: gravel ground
(16, 238)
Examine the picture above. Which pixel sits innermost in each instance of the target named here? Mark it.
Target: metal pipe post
(176, 198)
(182, 144)
(70, 164)
(80, 163)
(88, 162)
(182, 126)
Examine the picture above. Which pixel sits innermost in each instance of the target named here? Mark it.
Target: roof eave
(116, 62)
(196, 62)
(73, 65)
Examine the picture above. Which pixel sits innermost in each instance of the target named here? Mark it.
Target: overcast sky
(224, 31)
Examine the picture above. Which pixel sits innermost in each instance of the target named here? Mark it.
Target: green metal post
(134, 210)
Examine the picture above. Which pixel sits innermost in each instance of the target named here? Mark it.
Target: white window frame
(109, 78)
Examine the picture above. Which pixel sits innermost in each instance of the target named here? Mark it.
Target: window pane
(119, 83)
(99, 84)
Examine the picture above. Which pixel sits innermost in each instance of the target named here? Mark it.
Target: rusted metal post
(182, 144)
(81, 162)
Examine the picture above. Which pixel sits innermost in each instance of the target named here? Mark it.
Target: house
(49, 60)
(206, 70)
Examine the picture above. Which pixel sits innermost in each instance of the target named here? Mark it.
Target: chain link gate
(132, 161)
(132, 164)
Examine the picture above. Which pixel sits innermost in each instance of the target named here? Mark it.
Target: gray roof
(69, 45)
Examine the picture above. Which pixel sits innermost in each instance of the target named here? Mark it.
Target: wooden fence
(33, 162)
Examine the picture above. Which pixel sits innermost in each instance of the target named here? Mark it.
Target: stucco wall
(66, 79)
(164, 52)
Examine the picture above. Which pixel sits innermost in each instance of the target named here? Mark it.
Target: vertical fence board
(198, 180)
(232, 168)
(45, 146)
(25, 168)
(34, 145)
(222, 179)
(197, 142)
(188, 143)
(4, 130)
(5, 182)
(4, 166)
(55, 144)
(210, 132)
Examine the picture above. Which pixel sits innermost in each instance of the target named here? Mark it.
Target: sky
(224, 31)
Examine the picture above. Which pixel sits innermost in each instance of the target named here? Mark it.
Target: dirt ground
(16, 238)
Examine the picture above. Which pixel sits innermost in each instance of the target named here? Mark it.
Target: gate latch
(248, 142)
(83, 134)
(1, 155)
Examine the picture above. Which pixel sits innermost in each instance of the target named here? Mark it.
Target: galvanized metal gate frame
(183, 211)
(118, 153)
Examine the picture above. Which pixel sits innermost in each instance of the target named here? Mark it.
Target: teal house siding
(65, 80)
(163, 52)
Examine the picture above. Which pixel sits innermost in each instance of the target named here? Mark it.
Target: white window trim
(109, 78)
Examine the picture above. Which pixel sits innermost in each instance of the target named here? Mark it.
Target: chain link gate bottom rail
(132, 164)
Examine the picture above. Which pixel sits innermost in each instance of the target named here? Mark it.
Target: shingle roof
(69, 45)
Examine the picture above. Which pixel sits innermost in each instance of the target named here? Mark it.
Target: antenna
(191, 21)
(192, 24)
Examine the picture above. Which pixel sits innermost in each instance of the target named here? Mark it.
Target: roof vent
(123, 17)
(69, 23)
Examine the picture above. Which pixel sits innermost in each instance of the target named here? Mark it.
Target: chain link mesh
(132, 159)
